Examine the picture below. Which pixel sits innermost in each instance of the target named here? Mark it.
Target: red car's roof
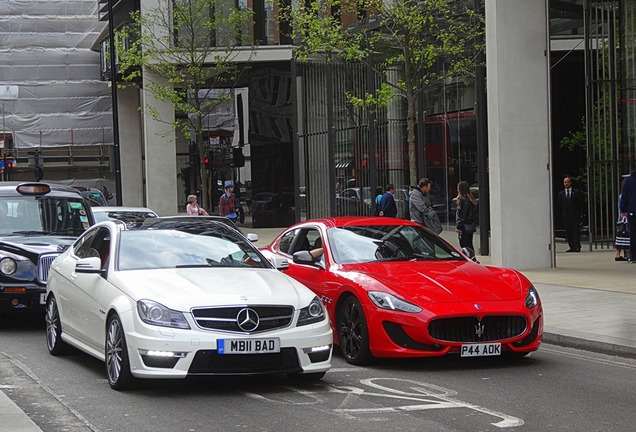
(359, 221)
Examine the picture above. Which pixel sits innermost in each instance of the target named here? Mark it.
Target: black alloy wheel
(353, 332)
(54, 328)
(117, 361)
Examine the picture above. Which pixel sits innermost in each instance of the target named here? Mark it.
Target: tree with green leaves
(426, 40)
(194, 45)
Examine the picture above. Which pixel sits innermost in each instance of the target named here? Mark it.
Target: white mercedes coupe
(172, 299)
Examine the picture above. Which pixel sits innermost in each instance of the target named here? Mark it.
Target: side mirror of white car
(252, 237)
(279, 262)
(89, 265)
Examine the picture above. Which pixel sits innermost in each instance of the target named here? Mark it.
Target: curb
(609, 348)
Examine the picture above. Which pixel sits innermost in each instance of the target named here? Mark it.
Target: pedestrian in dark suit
(572, 204)
(388, 207)
(628, 209)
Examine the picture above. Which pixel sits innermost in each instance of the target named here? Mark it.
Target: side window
(286, 242)
(82, 247)
(313, 235)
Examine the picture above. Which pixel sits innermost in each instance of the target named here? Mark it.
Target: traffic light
(208, 160)
(238, 157)
(9, 169)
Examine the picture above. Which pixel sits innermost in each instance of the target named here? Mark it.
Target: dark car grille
(225, 318)
(210, 362)
(465, 329)
(43, 267)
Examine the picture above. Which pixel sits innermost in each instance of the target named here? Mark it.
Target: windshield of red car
(360, 244)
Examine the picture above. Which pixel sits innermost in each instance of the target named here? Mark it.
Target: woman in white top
(193, 209)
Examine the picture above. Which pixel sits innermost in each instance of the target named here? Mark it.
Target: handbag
(470, 228)
(622, 234)
(432, 222)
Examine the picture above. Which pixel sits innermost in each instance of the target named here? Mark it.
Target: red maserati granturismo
(396, 289)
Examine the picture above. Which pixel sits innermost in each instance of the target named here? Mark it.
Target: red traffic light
(9, 165)
(206, 160)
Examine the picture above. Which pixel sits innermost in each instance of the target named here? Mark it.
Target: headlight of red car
(388, 301)
(532, 298)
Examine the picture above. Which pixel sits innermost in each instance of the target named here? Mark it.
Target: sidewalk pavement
(589, 302)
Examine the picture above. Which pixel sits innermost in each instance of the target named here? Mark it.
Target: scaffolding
(45, 53)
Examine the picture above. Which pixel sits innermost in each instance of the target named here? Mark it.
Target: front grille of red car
(225, 318)
(210, 362)
(472, 329)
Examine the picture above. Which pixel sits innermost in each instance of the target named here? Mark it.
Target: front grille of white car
(44, 265)
(226, 318)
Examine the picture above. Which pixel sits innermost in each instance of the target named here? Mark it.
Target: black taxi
(37, 222)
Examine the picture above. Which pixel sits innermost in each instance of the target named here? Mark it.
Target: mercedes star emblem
(247, 319)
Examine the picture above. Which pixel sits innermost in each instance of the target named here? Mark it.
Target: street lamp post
(113, 86)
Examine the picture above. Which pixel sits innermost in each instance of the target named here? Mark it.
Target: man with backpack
(420, 207)
(228, 204)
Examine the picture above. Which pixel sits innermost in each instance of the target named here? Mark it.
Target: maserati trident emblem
(247, 319)
(479, 329)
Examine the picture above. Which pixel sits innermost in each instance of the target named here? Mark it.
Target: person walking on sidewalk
(228, 206)
(388, 207)
(622, 243)
(628, 210)
(193, 209)
(465, 216)
(420, 206)
(571, 202)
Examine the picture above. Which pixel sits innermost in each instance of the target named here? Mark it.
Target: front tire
(54, 328)
(117, 361)
(353, 332)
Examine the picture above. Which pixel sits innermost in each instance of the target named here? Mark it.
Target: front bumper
(21, 298)
(407, 335)
(158, 352)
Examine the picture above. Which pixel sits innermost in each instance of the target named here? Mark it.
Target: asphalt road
(555, 389)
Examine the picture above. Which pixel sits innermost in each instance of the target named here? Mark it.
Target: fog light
(318, 353)
(15, 302)
(166, 354)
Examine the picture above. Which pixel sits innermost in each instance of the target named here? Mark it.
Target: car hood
(36, 244)
(183, 289)
(440, 281)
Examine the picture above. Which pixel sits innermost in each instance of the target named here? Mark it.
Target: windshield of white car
(168, 248)
(361, 244)
(37, 215)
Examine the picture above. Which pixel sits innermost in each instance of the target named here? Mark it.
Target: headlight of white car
(388, 301)
(532, 299)
(313, 313)
(157, 314)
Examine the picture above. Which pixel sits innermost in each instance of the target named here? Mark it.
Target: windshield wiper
(404, 258)
(31, 232)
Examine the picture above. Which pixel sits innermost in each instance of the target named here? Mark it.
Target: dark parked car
(38, 221)
(93, 196)
(355, 201)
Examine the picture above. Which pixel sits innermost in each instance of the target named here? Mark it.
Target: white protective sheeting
(45, 51)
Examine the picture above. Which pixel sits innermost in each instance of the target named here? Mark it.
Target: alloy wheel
(352, 329)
